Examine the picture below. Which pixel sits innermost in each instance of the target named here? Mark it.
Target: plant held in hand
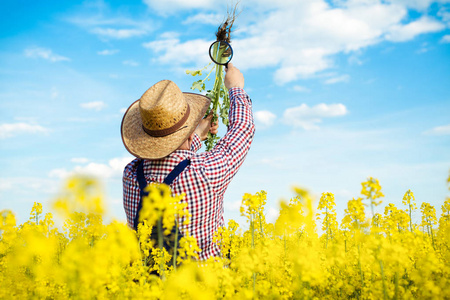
(220, 102)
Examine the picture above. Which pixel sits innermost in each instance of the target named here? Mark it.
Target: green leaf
(194, 73)
(220, 102)
(211, 141)
(199, 85)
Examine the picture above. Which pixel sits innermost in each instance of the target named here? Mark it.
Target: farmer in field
(164, 129)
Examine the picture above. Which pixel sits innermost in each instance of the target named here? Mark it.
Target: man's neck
(185, 146)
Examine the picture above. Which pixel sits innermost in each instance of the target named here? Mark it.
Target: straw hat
(158, 123)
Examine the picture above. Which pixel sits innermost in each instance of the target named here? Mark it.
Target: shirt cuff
(238, 94)
(196, 143)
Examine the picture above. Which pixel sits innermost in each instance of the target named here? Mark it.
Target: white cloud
(301, 89)
(113, 169)
(118, 33)
(6, 184)
(445, 39)
(401, 33)
(202, 18)
(99, 19)
(123, 110)
(272, 214)
(108, 52)
(175, 51)
(59, 173)
(307, 117)
(32, 183)
(264, 118)
(355, 59)
(232, 206)
(444, 13)
(439, 130)
(424, 48)
(45, 53)
(80, 160)
(414, 4)
(130, 63)
(337, 79)
(301, 38)
(12, 129)
(172, 6)
(273, 161)
(95, 105)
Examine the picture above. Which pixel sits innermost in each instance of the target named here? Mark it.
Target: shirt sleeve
(225, 159)
(196, 143)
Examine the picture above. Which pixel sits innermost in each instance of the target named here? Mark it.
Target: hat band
(170, 130)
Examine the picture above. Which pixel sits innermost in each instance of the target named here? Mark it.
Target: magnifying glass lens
(221, 52)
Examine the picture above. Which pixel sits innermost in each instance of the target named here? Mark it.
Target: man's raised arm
(224, 160)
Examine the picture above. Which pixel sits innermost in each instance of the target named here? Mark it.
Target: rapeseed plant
(372, 190)
(387, 257)
(330, 224)
(408, 199)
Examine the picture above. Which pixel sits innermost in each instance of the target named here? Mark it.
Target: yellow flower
(80, 194)
(160, 204)
(428, 214)
(86, 258)
(188, 248)
(329, 224)
(354, 217)
(36, 211)
(372, 190)
(408, 199)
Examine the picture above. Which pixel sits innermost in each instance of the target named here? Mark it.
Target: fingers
(229, 65)
(214, 126)
(214, 129)
(233, 77)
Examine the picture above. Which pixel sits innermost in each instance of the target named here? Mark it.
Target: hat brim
(142, 145)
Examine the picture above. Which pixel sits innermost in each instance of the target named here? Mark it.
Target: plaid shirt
(206, 179)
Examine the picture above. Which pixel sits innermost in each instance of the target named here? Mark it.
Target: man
(163, 129)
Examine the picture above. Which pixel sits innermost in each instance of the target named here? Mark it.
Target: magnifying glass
(221, 53)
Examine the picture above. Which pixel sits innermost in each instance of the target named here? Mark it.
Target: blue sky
(341, 90)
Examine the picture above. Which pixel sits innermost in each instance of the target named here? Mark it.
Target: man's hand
(233, 77)
(206, 126)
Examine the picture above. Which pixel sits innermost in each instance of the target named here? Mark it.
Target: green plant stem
(396, 295)
(216, 88)
(207, 76)
(260, 223)
(382, 277)
(410, 219)
(326, 217)
(371, 207)
(360, 267)
(432, 236)
(215, 97)
(252, 225)
(160, 245)
(175, 248)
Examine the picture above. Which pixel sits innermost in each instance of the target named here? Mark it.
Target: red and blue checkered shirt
(205, 180)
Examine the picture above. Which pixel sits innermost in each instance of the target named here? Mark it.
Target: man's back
(205, 180)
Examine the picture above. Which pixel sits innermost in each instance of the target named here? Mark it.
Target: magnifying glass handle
(226, 65)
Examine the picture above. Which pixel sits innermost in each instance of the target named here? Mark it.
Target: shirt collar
(166, 164)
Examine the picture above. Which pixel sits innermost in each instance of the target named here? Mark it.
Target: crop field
(306, 254)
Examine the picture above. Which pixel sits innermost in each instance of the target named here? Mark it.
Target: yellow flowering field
(305, 254)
